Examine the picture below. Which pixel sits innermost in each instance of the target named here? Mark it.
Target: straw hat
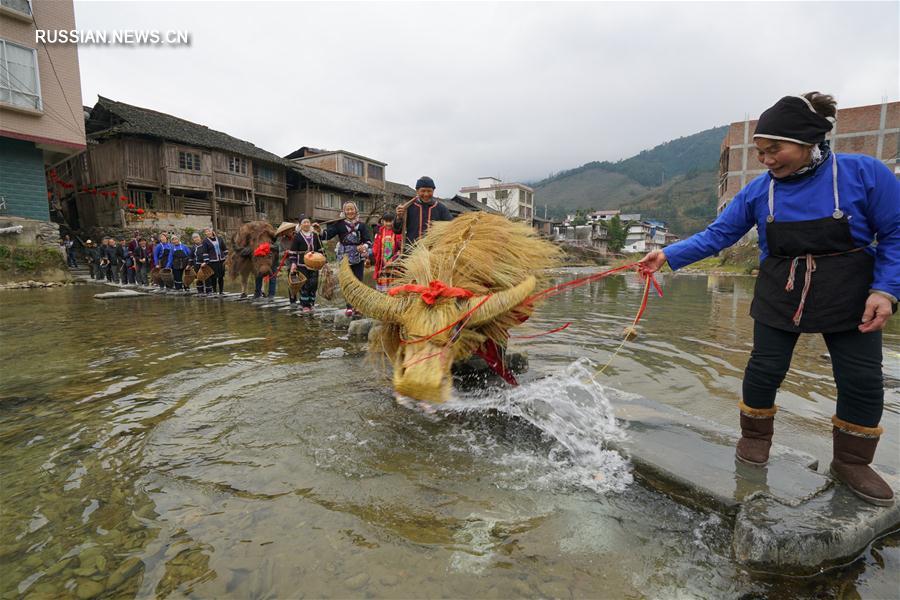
(88, 243)
(314, 260)
(284, 227)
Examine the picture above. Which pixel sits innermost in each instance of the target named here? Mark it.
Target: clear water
(172, 447)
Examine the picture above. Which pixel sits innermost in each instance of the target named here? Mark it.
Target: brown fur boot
(757, 427)
(854, 447)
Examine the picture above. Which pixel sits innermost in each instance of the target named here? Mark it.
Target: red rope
(537, 335)
(451, 325)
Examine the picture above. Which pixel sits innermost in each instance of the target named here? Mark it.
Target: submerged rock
(361, 327)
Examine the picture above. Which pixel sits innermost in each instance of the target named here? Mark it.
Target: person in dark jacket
(354, 241)
(70, 251)
(111, 261)
(817, 214)
(216, 252)
(142, 260)
(415, 217)
(305, 240)
(93, 258)
(126, 263)
(178, 261)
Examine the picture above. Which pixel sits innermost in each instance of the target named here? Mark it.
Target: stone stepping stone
(119, 294)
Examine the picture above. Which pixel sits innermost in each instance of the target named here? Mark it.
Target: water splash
(574, 411)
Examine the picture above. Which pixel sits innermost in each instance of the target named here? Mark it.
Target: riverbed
(180, 446)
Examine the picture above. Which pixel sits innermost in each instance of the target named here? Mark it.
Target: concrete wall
(33, 233)
(168, 222)
(67, 128)
(23, 186)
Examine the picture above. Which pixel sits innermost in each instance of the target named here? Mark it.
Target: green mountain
(609, 185)
(687, 203)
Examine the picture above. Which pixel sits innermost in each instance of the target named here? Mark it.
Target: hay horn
(501, 302)
(372, 303)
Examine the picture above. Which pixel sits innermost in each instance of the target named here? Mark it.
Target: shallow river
(178, 447)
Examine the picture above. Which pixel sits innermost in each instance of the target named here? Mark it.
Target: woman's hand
(877, 312)
(653, 261)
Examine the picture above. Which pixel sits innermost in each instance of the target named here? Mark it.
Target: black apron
(816, 279)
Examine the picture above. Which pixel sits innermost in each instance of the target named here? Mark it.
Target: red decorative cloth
(263, 249)
(430, 293)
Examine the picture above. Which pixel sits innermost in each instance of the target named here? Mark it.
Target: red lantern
(123, 198)
(140, 211)
(130, 205)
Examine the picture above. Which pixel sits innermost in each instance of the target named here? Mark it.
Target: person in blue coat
(162, 253)
(829, 239)
(179, 259)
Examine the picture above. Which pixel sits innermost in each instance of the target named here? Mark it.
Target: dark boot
(757, 427)
(854, 447)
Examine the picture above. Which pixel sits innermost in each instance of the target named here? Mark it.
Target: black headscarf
(793, 119)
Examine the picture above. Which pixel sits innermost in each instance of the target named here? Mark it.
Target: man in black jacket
(415, 217)
(111, 258)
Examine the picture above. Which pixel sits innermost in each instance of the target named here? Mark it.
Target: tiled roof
(334, 180)
(134, 120)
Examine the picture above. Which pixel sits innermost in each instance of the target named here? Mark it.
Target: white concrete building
(646, 236)
(515, 200)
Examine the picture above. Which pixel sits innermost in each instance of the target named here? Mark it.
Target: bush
(29, 259)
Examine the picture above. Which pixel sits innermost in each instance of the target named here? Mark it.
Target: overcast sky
(462, 90)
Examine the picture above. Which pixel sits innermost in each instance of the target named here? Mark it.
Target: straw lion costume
(464, 286)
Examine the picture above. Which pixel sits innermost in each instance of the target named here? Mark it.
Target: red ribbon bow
(430, 293)
(263, 249)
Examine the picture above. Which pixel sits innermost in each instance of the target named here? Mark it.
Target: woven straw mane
(480, 252)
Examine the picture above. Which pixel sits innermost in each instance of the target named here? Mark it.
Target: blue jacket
(869, 195)
(157, 254)
(187, 254)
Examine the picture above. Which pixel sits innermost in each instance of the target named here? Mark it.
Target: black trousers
(218, 277)
(309, 287)
(855, 361)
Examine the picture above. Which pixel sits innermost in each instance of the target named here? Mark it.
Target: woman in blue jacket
(179, 259)
(818, 215)
(162, 254)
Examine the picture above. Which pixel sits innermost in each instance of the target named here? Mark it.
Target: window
(22, 6)
(266, 173)
(376, 172)
(260, 205)
(328, 200)
(236, 164)
(230, 194)
(189, 161)
(20, 84)
(353, 167)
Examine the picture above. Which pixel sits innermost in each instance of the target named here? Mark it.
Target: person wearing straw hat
(415, 217)
(306, 241)
(817, 214)
(283, 236)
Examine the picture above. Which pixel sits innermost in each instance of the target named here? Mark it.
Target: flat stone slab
(693, 460)
(119, 294)
(830, 528)
(787, 516)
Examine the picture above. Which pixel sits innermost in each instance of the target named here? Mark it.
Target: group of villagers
(301, 245)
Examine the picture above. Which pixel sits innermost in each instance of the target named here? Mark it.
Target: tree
(617, 232)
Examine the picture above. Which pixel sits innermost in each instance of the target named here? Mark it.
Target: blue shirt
(157, 253)
(869, 195)
(174, 248)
